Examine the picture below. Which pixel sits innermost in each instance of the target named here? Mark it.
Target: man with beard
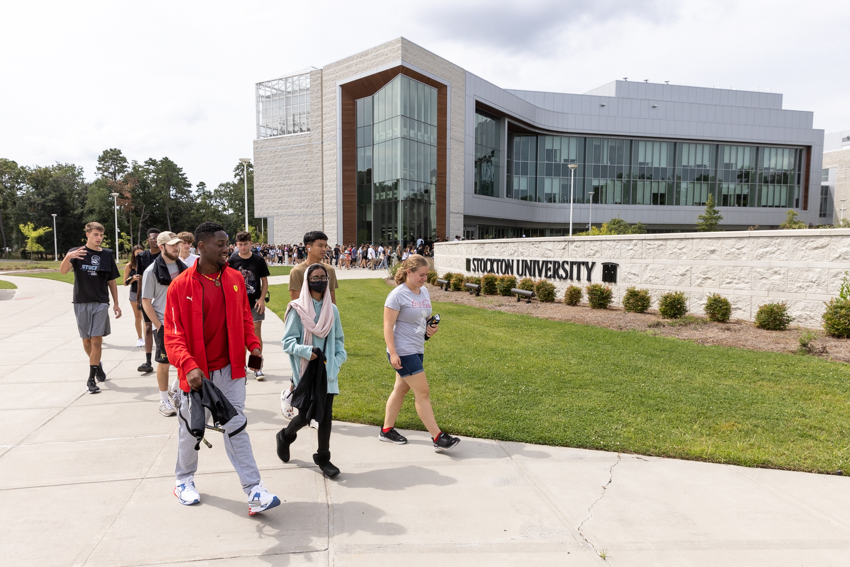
(155, 282)
(208, 327)
(144, 260)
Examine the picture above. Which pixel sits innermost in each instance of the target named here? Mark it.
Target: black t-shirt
(252, 269)
(92, 275)
(144, 260)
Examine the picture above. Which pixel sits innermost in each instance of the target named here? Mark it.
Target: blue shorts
(410, 364)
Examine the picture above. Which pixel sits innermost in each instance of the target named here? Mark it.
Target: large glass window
(486, 155)
(283, 106)
(608, 170)
(653, 173)
(736, 175)
(695, 173)
(523, 174)
(779, 177)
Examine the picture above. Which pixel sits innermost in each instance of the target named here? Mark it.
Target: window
(486, 155)
(283, 106)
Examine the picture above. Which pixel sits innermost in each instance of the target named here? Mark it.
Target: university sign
(549, 269)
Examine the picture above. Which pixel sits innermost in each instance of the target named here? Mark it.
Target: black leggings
(299, 422)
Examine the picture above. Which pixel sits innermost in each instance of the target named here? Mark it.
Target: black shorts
(145, 315)
(159, 338)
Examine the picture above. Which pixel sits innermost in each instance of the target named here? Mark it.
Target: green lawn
(279, 270)
(518, 378)
(7, 285)
(67, 278)
(6, 265)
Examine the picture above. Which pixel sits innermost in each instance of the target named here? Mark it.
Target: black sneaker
(392, 436)
(92, 386)
(445, 442)
(145, 368)
(100, 375)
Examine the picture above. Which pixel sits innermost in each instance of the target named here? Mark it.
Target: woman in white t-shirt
(406, 315)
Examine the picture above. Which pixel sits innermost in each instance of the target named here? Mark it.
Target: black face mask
(318, 287)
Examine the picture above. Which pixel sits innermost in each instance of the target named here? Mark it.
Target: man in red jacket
(208, 327)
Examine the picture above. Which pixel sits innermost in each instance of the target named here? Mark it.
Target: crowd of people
(199, 301)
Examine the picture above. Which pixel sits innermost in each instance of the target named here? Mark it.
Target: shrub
(718, 308)
(636, 300)
(526, 283)
(836, 318)
(673, 305)
(545, 291)
(599, 296)
(489, 284)
(773, 317)
(447, 276)
(506, 284)
(432, 275)
(573, 295)
(457, 282)
(472, 279)
(394, 268)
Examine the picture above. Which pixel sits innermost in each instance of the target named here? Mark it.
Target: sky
(176, 79)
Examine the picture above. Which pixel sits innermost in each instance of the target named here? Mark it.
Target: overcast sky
(177, 79)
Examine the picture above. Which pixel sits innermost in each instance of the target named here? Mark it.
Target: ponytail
(413, 263)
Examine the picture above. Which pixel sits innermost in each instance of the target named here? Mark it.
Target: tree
(32, 235)
(11, 183)
(615, 226)
(791, 221)
(59, 189)
(709, 220)
(111, 164)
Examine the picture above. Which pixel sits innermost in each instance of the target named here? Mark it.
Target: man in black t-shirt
(144, 260)
(256, 273)
(95, 273)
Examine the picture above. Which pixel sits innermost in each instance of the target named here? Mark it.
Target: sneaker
(100, 375)
(145, 368)
(186, 493)
(166, 409)
(286, 404)
(140, 343)
(314, 424)
(174, 393)
(392, 436)
(259, 375)
(260, 500)
(92, 386)
(445, 442)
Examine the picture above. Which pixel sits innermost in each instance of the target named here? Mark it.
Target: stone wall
(840, 160)
(803, 268)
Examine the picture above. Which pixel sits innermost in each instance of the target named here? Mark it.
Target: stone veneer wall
(840, 160)
(803, 268)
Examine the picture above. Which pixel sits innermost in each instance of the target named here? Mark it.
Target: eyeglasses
(316, 280)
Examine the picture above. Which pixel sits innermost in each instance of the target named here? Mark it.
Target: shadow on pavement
(398, 478)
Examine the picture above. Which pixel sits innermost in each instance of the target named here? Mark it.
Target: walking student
(187, 240)
(315, 343)
(95, 272)
(132, 278)
(155, 282)
(256, 274)
(144, 260)
(208, 330)
(406, 314)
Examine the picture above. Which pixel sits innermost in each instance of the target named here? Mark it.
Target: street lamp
(590, 215)
(115, 202)
(245, 161)
(55, 247)
(572, 167)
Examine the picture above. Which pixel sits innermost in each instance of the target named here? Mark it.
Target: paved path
(87, 480)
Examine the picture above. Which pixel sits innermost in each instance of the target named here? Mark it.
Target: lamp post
(590, 214)
(55, 246)
(842, 208)
(245, 162)
(115, 202)
(572, 167)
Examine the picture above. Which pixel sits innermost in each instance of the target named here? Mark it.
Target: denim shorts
(410, 364)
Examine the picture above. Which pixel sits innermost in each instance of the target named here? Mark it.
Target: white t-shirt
(371, 253)
(190, 260)
(413, 313)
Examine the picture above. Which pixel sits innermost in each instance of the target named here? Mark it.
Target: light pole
(590, 214)
(842, 208)
(55, 247)
(572, 167)
(245, 161)
(115, 202)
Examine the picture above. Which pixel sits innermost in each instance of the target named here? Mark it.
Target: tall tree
(12, 179)
(112, 164)
(710, 219)
(59, 189)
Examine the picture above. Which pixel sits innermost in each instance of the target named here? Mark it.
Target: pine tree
(711, 218)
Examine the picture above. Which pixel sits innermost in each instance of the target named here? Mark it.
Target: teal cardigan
(334, 346)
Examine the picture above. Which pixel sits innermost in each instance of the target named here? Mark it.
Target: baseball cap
(167, 238)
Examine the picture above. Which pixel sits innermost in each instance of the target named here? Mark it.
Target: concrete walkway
(87, 480)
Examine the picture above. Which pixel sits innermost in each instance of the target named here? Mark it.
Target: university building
(396, 143)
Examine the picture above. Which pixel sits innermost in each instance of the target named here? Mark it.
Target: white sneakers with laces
(286, 404)
(261, 500)
(166, 409)
(186, 492)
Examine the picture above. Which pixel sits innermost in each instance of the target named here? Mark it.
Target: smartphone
(255, 362)
(434, 320)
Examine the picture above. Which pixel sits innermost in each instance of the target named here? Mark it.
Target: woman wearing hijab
(313, 331)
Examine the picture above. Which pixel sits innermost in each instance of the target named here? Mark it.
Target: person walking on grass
(406, 314)
(144, 260)
(256, 274)
(132, 277)
(208, 328)
(155, 283)
(315, 343)
(95, 273)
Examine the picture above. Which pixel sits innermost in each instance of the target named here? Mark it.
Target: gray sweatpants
(238, 447)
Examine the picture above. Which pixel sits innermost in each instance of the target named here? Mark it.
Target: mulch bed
(736, 333)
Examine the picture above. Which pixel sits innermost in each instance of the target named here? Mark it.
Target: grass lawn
(279, 270)
(7, 285)
(67, 278)
(7, 265)
(519, 378)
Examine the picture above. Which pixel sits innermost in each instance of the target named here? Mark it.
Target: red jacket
(184, 323)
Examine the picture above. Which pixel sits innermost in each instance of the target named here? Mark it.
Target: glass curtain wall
(397, 201)
(608, 170)
(736, 176)
(695, 172)
(653, 173)
(283, 106)
(780, 177)
(486, 155)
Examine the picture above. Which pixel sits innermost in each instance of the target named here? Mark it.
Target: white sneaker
(186, 493)
(140, 343)
(286, 404)
(166, 409)
(261, 500)
(259, 375)
(174, 393)
(314, 424)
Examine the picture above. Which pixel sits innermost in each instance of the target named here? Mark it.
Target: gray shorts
(133, 297)
(92, 319)
(258, 316)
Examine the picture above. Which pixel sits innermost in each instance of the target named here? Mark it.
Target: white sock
(163, 396)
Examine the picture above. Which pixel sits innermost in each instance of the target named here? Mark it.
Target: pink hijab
(304, 307)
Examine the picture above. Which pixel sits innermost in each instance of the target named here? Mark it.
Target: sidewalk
(87, 480)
